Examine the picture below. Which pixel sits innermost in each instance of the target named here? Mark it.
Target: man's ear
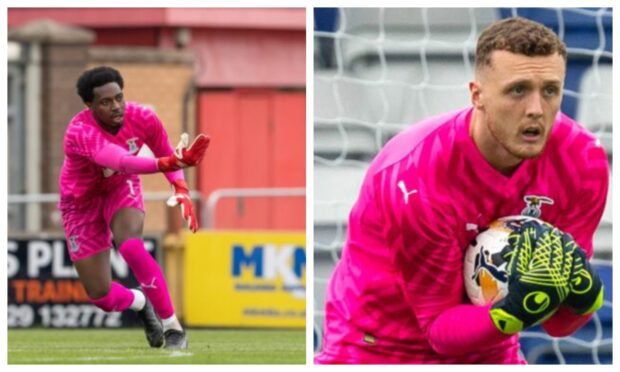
(475, 92)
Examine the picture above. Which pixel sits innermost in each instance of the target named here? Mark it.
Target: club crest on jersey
(533, 205)
(133, 146)
(73, 244)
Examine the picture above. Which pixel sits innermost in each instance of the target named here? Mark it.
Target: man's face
(108, 105)
(520, 97)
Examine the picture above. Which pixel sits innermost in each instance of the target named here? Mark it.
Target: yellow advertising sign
(245, 279)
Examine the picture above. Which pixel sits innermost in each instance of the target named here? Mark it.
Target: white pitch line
(174, 354)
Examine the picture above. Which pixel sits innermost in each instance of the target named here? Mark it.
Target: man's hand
(181, 197)
(184, 155)
(539, 272)
(586, 287)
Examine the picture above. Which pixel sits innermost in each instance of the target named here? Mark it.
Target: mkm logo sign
(271, 262)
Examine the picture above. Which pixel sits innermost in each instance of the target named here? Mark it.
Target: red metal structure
(250, 74)
(233, 47)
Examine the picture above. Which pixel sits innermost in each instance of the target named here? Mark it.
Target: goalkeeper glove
(181, 197)
(586, 287)
(184, 156)
(539, 268)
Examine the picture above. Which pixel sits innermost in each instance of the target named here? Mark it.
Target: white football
(484, 271)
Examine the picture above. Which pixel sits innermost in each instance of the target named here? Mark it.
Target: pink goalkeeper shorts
(87, 222)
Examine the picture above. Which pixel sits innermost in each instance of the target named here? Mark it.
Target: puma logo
(151, 285)
(471, 227)
(403, 188)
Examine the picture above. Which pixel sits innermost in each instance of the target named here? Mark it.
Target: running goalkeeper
(396, 295)
(101, 200)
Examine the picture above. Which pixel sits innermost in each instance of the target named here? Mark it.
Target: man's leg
(95, 275)
(127, 224)
(89, 241)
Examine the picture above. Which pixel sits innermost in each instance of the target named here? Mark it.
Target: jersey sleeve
(584, 215)
(425, 250)
(84, 141)
(157, 138)
(430, 261)
(117, 158)
(581, 221)
(423, 231)
(157, 141)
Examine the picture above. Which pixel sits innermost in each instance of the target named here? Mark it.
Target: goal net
(377, 71)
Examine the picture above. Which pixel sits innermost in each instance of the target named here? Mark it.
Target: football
(484, 271)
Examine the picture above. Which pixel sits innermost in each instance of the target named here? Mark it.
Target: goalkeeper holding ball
(101, 200)
(396, 295)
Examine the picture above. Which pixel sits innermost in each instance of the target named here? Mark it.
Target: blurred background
(237, 75)
(377, 71)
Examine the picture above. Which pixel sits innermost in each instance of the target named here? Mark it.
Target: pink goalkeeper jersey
(421, 202)
(80, 176)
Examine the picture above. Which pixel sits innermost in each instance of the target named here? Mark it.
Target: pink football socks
(118, 298)
(149, 275)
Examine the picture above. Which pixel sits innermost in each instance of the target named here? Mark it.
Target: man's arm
(158, 141)
(463, 329)
(565, 322)
(586, 297)
(432, 266)
(117, 158)
(182, 199)
(186, 154)
(534, 247)
(581, 222)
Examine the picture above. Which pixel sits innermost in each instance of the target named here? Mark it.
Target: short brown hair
(520, 36)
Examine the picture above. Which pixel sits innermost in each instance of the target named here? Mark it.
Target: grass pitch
(128, 346)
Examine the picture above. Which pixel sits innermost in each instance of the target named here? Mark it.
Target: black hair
(97, 77)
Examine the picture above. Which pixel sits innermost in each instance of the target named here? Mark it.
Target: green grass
(128, 346)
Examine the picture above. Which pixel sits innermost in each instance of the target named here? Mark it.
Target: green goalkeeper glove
(586, 287)
(539, 270)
